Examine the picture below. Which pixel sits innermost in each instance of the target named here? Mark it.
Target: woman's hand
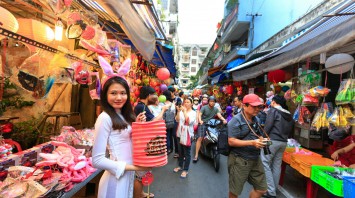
(141, 117)
(335, 156)
(141, 168)
(183, 109)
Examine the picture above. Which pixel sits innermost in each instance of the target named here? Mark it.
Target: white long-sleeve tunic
(115, 182)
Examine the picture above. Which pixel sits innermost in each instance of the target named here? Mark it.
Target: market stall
(46, 119)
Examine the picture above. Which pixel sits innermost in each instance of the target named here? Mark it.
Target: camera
(178, 103)
(267, 148)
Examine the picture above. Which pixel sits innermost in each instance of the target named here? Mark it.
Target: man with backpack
(169, 117)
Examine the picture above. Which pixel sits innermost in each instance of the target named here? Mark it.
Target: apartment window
(193, 69)
(194, 52)
(193, 61)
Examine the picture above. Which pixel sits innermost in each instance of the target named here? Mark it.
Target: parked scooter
(209, 142)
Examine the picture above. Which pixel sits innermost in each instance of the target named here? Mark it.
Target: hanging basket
(149, 143)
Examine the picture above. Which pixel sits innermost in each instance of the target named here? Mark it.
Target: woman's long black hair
(126, 111)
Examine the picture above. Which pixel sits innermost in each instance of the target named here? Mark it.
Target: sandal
(184, 174)
(195, 160)
(176, 155)
(145, 195)
(177, 169)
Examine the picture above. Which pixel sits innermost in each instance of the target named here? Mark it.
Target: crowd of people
(185, 114)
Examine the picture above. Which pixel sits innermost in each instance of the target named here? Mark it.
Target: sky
(198, 20)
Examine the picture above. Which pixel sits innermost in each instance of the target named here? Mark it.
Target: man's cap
(252, 99)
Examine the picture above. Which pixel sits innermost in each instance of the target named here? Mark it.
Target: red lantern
(163, 74)
(229, 89)
(276, 76)
(149, 143)
(288, 76)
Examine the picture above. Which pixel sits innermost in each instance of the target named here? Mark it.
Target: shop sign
(294, 37)
(217, 61)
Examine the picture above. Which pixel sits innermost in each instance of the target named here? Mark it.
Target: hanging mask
(82, 77)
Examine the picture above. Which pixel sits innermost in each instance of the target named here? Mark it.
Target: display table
(80, 185)
(312, 188)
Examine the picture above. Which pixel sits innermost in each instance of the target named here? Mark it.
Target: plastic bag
(309, 100)
(319, 91)
(320, 119)
(349, 116)
(346, 92)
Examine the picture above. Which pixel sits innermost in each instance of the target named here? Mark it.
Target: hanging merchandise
(35, 30)
(309, 100)
(337, 118)
(276, 76)
(163, 74)
(33, 74)
(308, 80)
(81, 73)
(350, 117)
(346, 92)
(95, 93)
(319, 91)
(162, 98)
(290, 95)
(114, 50)
(302, 115)
(8, 21)
(320, 118)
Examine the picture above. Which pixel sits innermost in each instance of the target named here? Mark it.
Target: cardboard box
(29, 157)
(12, 160)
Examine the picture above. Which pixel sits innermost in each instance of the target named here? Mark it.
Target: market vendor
(346, 155)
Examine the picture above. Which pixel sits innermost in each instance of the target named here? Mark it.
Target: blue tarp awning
(235, 63)
(164, 58)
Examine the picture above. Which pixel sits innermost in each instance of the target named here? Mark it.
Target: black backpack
(169, 117)
(222, 143)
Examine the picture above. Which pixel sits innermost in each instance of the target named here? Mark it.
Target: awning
(123, 13)
(235, 63)
(218, 78)
(234, 53)
(162, 57)
(201, 86)
(326, 35)
(244, 65)
(166, 52)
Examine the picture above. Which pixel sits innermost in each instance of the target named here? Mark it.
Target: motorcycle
(209, 142)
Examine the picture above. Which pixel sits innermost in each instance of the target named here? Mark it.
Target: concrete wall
(275, 15)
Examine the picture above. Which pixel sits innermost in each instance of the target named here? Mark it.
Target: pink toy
(75, 166)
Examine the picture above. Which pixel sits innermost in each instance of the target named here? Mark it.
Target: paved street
(202, 181)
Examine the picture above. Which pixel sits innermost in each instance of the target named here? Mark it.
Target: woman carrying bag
(186, 117)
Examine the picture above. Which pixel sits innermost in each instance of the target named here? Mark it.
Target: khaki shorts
(241, 170)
